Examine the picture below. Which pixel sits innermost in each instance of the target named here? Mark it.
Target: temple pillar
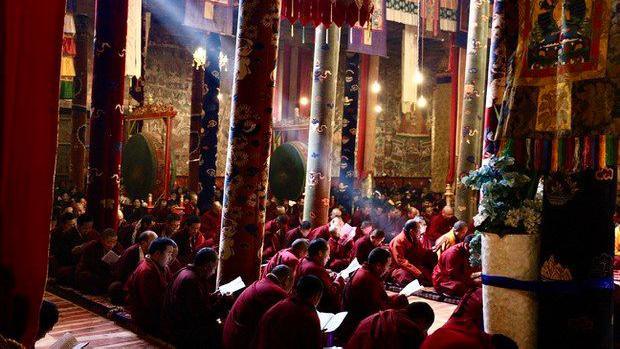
(83, 43)
(454, 115)
(470, 150)
(349, 130)
(247, 159)
(106, 121)
(194, 126)
(209, 123)
(322, 111)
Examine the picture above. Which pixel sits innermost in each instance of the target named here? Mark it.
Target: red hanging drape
(31, 46)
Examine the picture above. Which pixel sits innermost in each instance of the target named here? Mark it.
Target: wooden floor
(89, 327)
(442, 311)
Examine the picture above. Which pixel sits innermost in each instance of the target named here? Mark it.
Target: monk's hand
(476, 275)
(435, 248)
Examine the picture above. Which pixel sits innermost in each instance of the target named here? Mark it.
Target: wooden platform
(90, 327)
(442, 311)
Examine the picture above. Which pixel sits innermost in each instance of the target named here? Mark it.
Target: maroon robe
(464, 328)
(339, 253)
(125, 234)
(188, 245)
(273, 238)
(92, 275)
(452, 274)
(330, 301)
(210, 224)
(291, 323)
(127, 264)
(438, 226)
(285, 257)
(364, 295)
(358, 218)
(188, 311)
(362, 249)
(387, 329)
(293, 235)
(146, 288)
(411, 261)
(320, 232)
(242, 322)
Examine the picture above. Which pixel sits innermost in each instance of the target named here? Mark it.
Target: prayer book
(411, 288)
(232, 286)
(351, 268)
(330, 322)
(110, 257)
(68, 341)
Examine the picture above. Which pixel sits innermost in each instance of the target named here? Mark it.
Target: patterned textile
(69, 27)
(209, 124)
(349, 130)
(133, 49)
(68, 46)
(211, 16)
(442, 14)
(327, 12)
(67, 67)
(410, 64)
(371, 40)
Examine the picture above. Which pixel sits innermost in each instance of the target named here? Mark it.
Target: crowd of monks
(162, 261)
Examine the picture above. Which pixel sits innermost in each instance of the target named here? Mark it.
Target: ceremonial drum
(143, 166)
(287, 171)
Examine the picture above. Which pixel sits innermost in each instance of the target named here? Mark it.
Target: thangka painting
(414, 123)
(562, 40)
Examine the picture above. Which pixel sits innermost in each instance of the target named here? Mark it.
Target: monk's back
(291, 323)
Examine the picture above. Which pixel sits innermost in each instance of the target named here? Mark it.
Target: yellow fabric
(445, 241)
(67, 69)
(617, 244)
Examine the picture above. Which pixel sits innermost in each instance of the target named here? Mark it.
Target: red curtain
(31, 47)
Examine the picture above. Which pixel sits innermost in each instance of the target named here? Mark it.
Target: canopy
(327, 12)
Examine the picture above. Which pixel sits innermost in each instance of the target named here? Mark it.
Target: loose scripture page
(110, 257)
(411, 288)
(232, 286)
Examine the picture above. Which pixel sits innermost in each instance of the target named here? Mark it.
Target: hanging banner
(371, 39)
(444, 13)
(409, 66)
(211, 15)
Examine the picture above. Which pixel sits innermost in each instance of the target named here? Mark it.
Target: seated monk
(324, 231)
(361, 214)
(340, 247)
(210, 224)
(464, 329)
(300, 232)
(439, 225)
(170, 227)
(147, 222)
(189, 240)
(63, 241)
(289, 257)
(147, 285)
(451, 238)
(92, 274)
(274, 235)
(617, 247)
(363, 246)
(412, 261)
(189, 310)
(314, 264)
(453, 274)
(364, 293)
(404, 328)
(161, 210)
(242, 322)
(132, 256)
(293, 322)
(125, 231)
(174, 265)
(363, 230)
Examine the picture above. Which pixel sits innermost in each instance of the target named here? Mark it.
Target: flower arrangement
(509, 203)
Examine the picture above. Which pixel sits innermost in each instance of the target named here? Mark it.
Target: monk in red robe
(289, 257)
(363, 246)
(93, 274)
(361, 214)
(340, 247)
(314, 264)
(464, 328)
(210, 224)
(453, 274)
(189, 311)
(364, 293)
(129, 260)
(170, 227)
(274, 235)
(300, 232)
(242, 322)
(189, 239)
(147, 285)
(325, 231)
(439, 225)
(388, 329)
(293, 322)
(64, 245)
(412, 261)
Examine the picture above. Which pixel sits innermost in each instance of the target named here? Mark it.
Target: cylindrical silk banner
(511, 312)
(249, 143)
(322, 111)
(470, 150)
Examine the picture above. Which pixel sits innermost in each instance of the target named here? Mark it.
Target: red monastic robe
(330, 301)
(188, 245)
(362, 249)
(210, 224)
(92, 275)
(285, 257)
(452, 274)
(291, 323)
(292, 235)
(339, 253)
(146, 288)
(127, 264)
(242, 322)
(411, 260)
(319, 232)
(387, 329)
(274, 233)
(464, 328)
(439, 225)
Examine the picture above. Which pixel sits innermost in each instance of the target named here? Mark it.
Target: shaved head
(282, 272)
(300, 245)
(447, 211)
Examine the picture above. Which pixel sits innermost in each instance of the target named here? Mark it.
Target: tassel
(569, 162)
(576, 153)
(528, 153)
(554, 155)
(586, 155)
(560, 152)
(602, 151)
(610, 147)
(537, 154)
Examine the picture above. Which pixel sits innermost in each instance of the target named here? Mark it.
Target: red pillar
(106, 121)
